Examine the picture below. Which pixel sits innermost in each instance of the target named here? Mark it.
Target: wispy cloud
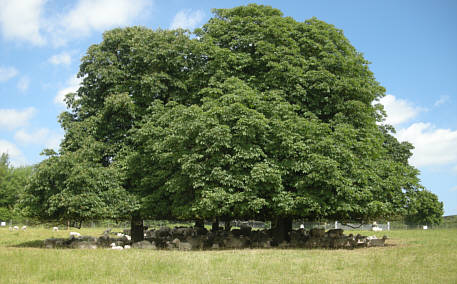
(63, 58)
(454, 188)
(23, 83)
(433, 146)
(24, 20)
(399, 111)
(43, 136)
(21, 20)
(17, 158)
(88, 15)
(442, 100)
(71, 87)
(187, 19)
(7, 73)
(12, 118)
(24, 137)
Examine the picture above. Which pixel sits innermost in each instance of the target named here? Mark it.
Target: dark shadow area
(30, 244)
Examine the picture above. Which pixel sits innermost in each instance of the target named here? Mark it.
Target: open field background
(412, 256)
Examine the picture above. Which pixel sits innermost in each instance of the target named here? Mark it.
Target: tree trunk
(200, 223)
(137, 229)
(227, 225)
(215, 225)
(281, 226)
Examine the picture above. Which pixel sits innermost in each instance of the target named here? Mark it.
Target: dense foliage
(452, 219)
(424, 208)
(256, 116)
(12, 183)
(70, 187)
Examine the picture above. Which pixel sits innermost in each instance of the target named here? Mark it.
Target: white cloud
(42, 136)
(187, 19)
(454, 188)
(31, 138)
(15, 155)
(53, 141)
(22, 20)
(12, 118)
(61, 58)
(441, 100)
(432, 146)
(7, 73)
(100, 15)
(23, 83)
(398, 110)
(72, 86)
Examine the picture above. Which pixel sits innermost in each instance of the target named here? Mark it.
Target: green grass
(411, 257)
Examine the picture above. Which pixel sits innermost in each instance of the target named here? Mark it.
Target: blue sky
(412, 46)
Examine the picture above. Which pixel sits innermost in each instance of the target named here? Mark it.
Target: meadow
(414, 256)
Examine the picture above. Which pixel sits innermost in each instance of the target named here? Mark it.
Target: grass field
(412, 257)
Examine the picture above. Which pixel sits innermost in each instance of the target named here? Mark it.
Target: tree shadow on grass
(30, 244)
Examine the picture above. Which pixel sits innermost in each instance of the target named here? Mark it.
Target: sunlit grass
(411, 257)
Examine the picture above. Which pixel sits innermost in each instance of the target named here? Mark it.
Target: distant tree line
(12, 184)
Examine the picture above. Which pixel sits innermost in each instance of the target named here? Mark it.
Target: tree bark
(227, 225)
(215, 225)
(200, 223)
(281, 226)
(137, 229)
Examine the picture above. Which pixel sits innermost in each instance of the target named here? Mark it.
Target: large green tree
(250, 154)
(122, 76)
(256, 116)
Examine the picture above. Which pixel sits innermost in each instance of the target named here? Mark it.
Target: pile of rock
(86, 242)
(198, 238)
(188, 238)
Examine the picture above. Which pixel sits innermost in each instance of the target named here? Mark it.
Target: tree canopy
(424, 208)
(254, 115)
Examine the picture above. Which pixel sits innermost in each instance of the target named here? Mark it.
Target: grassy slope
(416, 257)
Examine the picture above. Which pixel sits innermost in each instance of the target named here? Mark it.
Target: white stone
(114, 246)
(75, 234)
